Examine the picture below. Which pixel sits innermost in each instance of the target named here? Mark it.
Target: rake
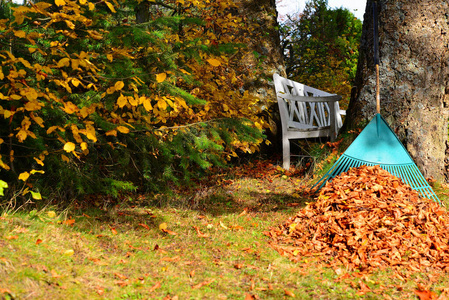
(378, 145)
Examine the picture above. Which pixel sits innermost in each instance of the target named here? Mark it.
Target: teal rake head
(378, 145)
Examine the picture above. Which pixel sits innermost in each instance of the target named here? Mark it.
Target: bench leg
(286, 153)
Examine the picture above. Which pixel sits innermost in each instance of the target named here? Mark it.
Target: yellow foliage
(69, 147)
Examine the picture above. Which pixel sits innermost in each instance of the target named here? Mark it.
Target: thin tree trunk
(414, 78)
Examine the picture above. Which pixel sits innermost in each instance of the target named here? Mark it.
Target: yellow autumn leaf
(36, 195)
(90, 133)
(109, 57)
(162, 104)
(147, 104)
(161, 77)
(122, 101)
(163, 226)
(59, 2)
(111, 132)
(119, 85)
(63, 62)
(40, 162)
(214, 62)
(83, 146)
(70, 24)
(51, 214)
(91, 6)
(21, 135)
(133, 101)
(69, 107)
(37, 171)
(24, 176)
(75, 63)
(69, 147)
(111, 7)
(20, 33)
(31, 106)
(76, 82)
(82, 2)
(123, 129)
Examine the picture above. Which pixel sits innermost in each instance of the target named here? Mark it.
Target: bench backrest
(301, 115)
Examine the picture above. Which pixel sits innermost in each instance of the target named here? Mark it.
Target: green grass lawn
(206, 243)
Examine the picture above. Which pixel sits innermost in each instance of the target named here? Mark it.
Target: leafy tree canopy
(321, 47)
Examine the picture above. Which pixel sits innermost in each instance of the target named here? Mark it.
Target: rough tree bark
(265, 41)
(414, 78)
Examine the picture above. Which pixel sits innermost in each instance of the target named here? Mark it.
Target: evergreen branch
(189, 125)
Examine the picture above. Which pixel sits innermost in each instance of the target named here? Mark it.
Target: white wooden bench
(305, 112)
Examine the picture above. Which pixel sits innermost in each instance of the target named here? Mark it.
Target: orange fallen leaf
(121, 283)
(69, 222)
(11, 237)
(54, 274)
(38, 241)
(200, 234)
(144, 226)
(176, 258)
(249, 297)
(169, 232)
(426, 295)
(244, 212)
(120, 276)
(204, 283)
(289, 293)
(113, 230)
(5, 291)
(363, 288)
(155, 287)
(239, 266)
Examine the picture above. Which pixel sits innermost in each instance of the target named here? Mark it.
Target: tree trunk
(414, 78)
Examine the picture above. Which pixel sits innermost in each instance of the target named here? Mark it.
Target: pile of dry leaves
(368, 219)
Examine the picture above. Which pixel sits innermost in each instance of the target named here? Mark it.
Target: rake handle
(376, 55)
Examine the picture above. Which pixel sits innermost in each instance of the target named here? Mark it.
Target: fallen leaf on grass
(249, 297)
(155, 287)
(200, 234)
(239, 266)
(5, 291)
(38, 241)
(121, 283)
(54, 274)
(289, 293)
(11, 237)
(176, 258)
(169, 232)
(69, 222)
(120, 276)
(114, 232)
(425, 294)
(204, 283)
(144, 226)
(363, 288)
